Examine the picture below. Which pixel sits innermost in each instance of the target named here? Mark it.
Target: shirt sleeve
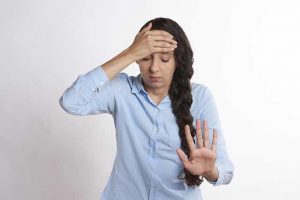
(210, 113)
(91, 93)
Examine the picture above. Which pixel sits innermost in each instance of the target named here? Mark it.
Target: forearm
(118, 63)
(79, 98)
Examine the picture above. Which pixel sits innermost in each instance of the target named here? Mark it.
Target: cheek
(170, 69)
(168, 74)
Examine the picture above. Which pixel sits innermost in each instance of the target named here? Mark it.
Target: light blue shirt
(146, 165)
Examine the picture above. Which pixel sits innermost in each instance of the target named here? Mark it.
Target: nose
(154, 65)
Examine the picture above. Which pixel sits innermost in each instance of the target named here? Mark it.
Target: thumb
(147, 28)
(183, 157)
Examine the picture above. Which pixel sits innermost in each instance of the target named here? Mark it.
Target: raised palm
(202, 158)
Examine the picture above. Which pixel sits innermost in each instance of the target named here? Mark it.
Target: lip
(154, 78)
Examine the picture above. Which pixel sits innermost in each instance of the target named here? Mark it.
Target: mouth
(154, 78)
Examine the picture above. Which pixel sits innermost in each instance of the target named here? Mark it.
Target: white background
(247, 52)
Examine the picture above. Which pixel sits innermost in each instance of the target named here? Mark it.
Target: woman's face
(157, 70)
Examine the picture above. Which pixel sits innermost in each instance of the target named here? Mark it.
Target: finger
(206, 139)
(163, 49)
(189, 138)
(162, 38)
(199, 134)
(163, 44)
(160, 32)
(214, 142)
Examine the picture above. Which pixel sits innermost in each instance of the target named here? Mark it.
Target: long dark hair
(180, 89)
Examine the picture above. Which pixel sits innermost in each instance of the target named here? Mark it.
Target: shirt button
(151, 143)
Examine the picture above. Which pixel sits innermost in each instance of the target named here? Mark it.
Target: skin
(202, 158)
(153, 51)
(161, 65)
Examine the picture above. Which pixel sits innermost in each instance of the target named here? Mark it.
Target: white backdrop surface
(247, 52)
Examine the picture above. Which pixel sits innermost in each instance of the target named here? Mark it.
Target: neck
(157, 94)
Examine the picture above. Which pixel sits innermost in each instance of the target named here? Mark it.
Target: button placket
(154, 133)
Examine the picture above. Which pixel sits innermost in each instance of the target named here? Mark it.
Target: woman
(164, 151)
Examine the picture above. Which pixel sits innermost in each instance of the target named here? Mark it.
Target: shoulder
(199, 90)
(123, 82)
(201, 93)
(203, 101)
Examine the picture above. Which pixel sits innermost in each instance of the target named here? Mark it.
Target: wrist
(129, 55)
(118, 63)
(212, 175)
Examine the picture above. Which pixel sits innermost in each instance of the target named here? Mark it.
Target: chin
(154, 85)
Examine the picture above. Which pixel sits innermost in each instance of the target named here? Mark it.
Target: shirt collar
(138, 86)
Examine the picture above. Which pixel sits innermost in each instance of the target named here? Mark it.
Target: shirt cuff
(98, 76)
